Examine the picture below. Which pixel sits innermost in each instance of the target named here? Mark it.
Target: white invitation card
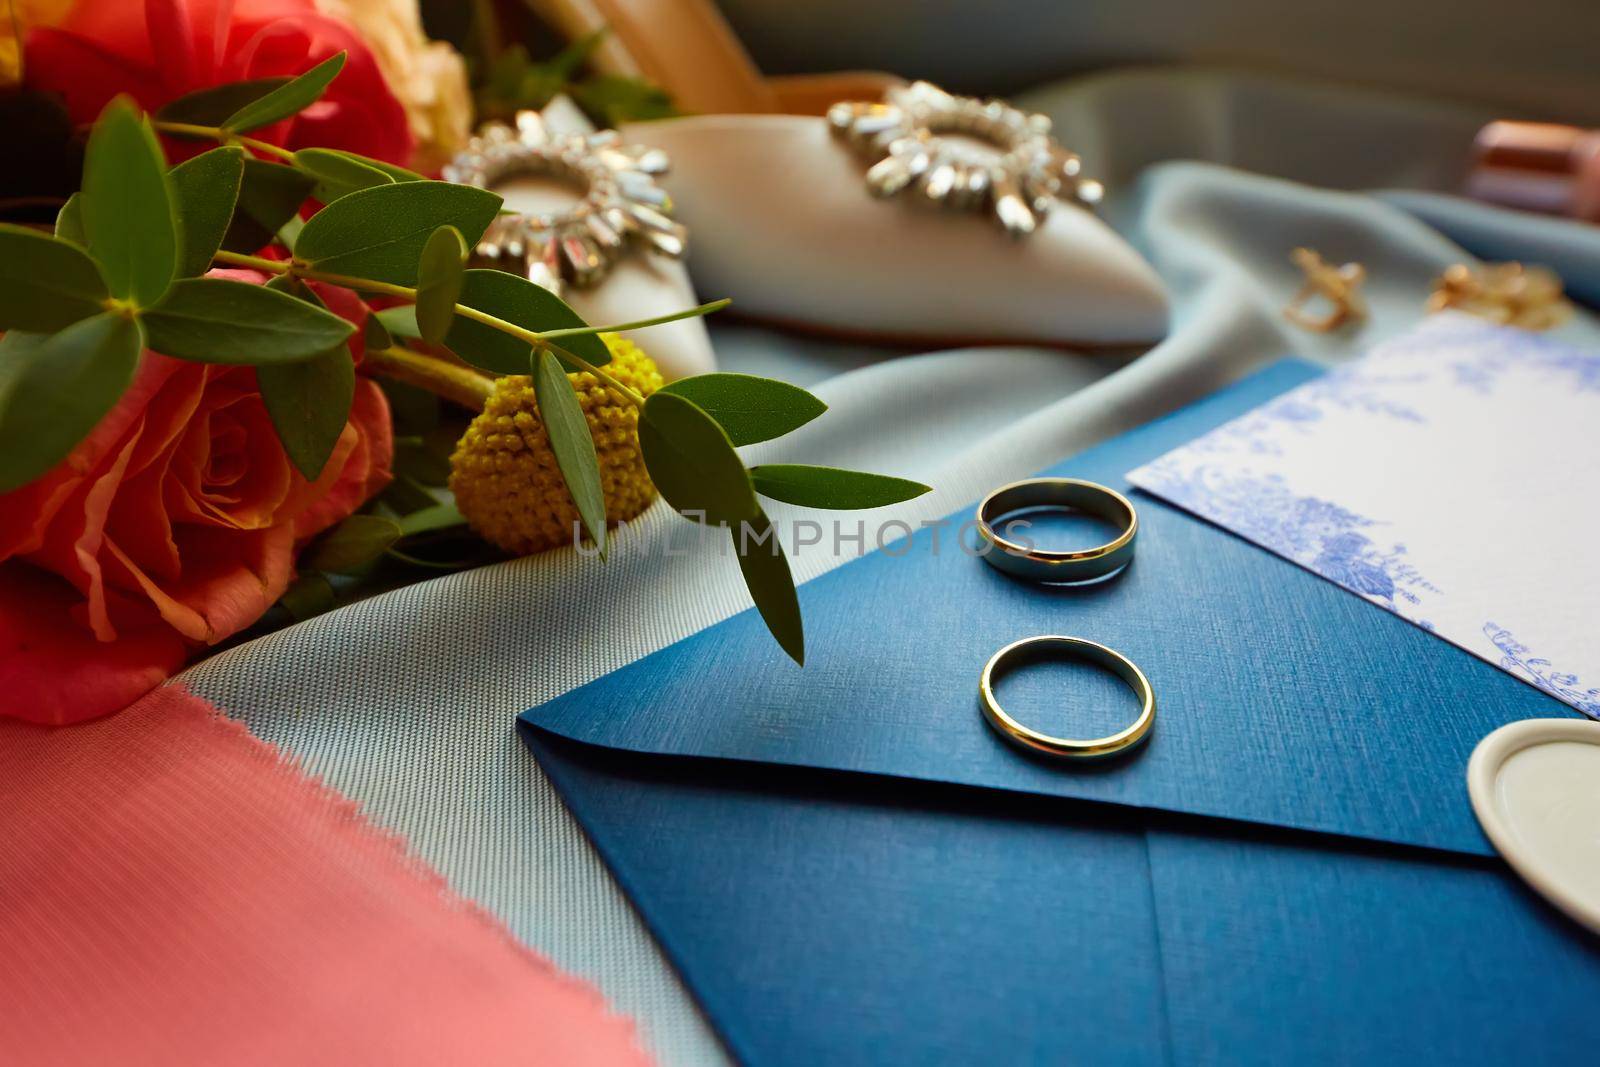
(1451, 476)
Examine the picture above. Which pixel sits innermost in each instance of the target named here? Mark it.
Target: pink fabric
(173, 891)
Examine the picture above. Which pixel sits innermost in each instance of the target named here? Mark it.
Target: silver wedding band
(1058, 567)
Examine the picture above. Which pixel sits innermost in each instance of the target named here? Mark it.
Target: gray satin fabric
(405, 702)
(1493, 233)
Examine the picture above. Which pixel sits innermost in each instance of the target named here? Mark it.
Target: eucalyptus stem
(534, 338)
(221, 135)
(239, 259)
(579, 331)
(455, 383)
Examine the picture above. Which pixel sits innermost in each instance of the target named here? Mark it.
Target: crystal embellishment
(965, 153)
(620, 206)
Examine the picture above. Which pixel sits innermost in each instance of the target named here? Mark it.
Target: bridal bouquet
(188, 404)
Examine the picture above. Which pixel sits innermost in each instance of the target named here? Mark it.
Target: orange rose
(159, 50)
(171, 526)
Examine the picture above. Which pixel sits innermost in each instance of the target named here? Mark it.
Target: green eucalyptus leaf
(270, 195)
(522, 303)
(424, 454)
(206, 189)
(353, 545)
(211, 107)
(288, 99)
(612, 99)
(572, 444)
(289, 232)
(54, 389)
(414, 410)
(771, 583)
(565, 64)
(512, 81)
(424, 461)
(749, 408)
(374, 337)
(406, 496)
(309, 403)
(128, 216)
(400, 320)
(215, 320)
(69, 221)
(439, 277)
(310, 595)
(692, 462)
(45, 283)
(831, 487)
(399, 174)
(379, 233)
(295, 287)
(336, 174)
(431, 519)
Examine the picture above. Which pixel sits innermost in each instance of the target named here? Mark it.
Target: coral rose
(161, 49)
(429, 77)
(172, 526)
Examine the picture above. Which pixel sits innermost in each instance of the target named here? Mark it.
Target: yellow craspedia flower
(505, 477)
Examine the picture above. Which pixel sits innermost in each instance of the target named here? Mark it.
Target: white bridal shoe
(781, 220)
(776, 212)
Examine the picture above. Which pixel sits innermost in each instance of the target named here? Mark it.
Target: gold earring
(1511, 294)
(1338, 286)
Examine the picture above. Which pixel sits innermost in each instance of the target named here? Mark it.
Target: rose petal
(26, 513)
(172, 42)
(349, 307)
(127, 575)
(232, 403)
(139, 521)
(72, 543)
(53, 671)
(229, 580)
(97, 504)
(86, 73)
(367, 125)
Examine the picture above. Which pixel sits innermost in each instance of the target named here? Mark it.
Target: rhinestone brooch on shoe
(620, 204)
(965, 153)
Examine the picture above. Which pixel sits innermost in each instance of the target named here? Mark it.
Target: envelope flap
(1282, 699)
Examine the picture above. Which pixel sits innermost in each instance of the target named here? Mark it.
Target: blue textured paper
(826, 918)
(1297, 949)
(830, 918)
(1283, 699)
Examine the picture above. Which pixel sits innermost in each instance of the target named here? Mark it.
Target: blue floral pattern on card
(1479, 356)
(1242, 475)
(1345, 388)
(1319, 535)
(1521, 660)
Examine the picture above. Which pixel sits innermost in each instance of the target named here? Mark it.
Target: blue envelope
(848, 866)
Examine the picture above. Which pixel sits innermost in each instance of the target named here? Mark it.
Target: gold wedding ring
(1054, 566)
(1052, 646)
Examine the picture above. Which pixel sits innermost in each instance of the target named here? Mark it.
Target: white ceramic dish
(1535, 787)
